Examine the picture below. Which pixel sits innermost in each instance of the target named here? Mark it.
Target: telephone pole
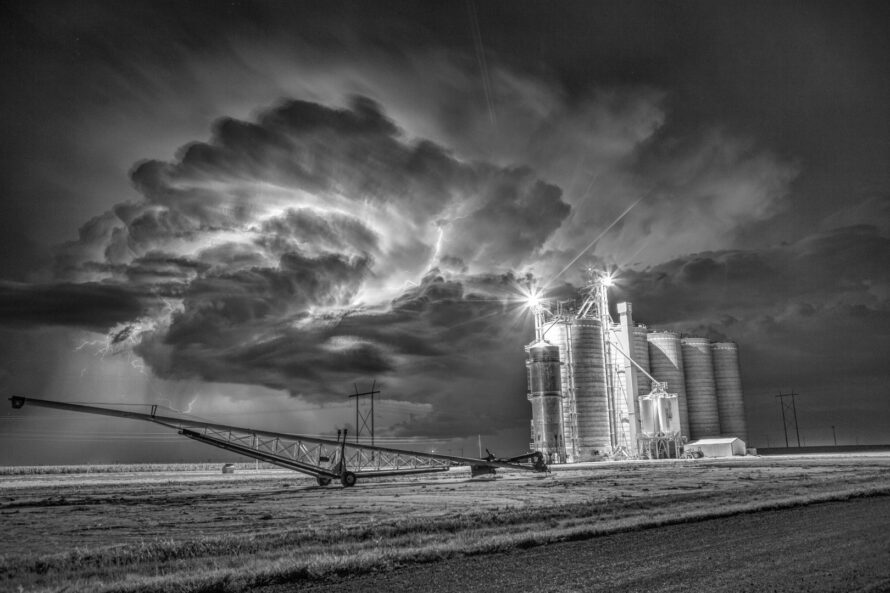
(364, 419)
(793, 408)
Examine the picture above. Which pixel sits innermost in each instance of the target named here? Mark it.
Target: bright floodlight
(607, 280)
(532, 296)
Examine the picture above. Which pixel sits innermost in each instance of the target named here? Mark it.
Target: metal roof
(720, 441)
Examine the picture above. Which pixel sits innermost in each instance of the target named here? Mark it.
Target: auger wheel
(348, 479)
(323, 481)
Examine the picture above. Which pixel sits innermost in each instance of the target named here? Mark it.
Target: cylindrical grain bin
(666, 365)
(701, 393)
(581, 350)
(591, 399)
(545, 394)
(728, 382)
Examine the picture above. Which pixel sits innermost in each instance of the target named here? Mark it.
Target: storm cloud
(364, 191)
(316, 244)
(96, 307)
(810, 315)
(312, 246)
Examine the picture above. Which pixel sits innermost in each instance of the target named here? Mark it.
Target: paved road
(831, 547)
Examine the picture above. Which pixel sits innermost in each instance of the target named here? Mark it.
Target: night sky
(244, 209)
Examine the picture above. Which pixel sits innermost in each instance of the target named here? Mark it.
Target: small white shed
(720, 447)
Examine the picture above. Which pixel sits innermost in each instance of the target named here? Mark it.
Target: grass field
(205, 531)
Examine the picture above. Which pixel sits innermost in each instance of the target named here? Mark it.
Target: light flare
(592, 243)
(533, 297)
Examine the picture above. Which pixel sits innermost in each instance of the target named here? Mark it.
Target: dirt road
(830, 547)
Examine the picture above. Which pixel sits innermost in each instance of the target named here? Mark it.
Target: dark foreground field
(273, 530)
(820, 548)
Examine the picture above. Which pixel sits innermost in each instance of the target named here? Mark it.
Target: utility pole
(834, 435)
(793, 408)
(364, 420)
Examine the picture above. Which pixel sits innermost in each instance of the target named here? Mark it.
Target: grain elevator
(601, 388)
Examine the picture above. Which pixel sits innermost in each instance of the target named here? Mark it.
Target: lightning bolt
(438, 248)
(122, 338)
(188, 408)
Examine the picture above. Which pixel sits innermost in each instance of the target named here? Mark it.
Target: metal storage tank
(555, 333)
(658, 415)
(584, 383)
(701, 393)
(545, 395)
(727, 378)
(666, 365)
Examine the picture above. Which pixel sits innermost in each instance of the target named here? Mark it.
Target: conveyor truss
(324, 459)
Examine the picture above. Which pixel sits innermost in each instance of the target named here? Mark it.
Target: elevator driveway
(838, 546)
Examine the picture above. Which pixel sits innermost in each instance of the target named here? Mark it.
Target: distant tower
(630, 387)
(641, 357)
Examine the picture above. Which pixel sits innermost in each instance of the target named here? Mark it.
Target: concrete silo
(545, 395)
(666, 365)
(591, 398)
(586, 409)
(727, 378)
(701, 392)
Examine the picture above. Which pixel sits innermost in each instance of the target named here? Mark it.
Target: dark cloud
(874, 210)
(841, 266)
(813, 315)
(278, 247)
(528, 209)
(96, 307)
(425, 347)
(319, 149)
(313, 179)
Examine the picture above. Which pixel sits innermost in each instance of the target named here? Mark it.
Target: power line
(793, 408)
(364, 419)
